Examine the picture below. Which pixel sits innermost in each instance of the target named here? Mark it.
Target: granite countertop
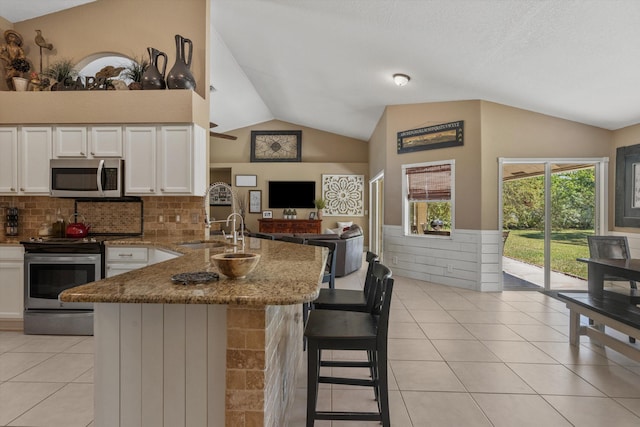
(11, 240)
(287, 273)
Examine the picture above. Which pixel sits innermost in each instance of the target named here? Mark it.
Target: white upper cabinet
(87, 142)
(105, 141)
(162, 160)
(167, 160)
(140, 160)
(24, 160)
(34, 153)
(9, 160)
(175, 159)
(70, 142)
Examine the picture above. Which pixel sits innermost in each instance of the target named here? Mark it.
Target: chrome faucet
(207, 222)
(235, 233)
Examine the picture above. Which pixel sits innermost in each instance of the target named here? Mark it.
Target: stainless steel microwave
(87, 177)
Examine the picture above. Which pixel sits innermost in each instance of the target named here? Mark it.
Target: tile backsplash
(156, 216)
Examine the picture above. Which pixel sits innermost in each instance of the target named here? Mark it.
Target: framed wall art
(628, 186)
(246, 180)
(276, 146)
(432, 137)
(267, 214)
(255, 201)
(344, 195)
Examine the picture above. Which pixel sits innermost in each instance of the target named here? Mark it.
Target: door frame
(601, 165)
(376, 214)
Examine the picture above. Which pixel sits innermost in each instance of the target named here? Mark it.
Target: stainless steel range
(51, 266)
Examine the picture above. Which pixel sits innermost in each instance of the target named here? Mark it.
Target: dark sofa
(349, 247)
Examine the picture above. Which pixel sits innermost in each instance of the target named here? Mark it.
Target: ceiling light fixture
(401, 79)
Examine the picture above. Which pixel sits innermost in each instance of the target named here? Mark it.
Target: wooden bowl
(235, 265)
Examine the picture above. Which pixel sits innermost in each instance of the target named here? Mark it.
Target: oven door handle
(99, 175)
(66, 259)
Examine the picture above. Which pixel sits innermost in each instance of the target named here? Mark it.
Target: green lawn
(566, 246)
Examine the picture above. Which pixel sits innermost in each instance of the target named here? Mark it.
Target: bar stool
(350, 330)
(349, 299)
(329, 275)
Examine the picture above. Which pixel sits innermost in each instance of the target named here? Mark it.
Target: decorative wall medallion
(344, 195)
(276, 146)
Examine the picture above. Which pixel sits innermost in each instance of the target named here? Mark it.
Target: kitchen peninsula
(212, 354)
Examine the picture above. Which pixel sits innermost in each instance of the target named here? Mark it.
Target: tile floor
(456, 357)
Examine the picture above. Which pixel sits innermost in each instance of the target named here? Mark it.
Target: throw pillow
(343, 224)
(353, 231)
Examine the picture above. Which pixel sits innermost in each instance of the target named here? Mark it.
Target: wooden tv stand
(290, 226)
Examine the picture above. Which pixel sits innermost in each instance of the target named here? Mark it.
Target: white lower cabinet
(11, 282)
(125, 258)
(121, 259)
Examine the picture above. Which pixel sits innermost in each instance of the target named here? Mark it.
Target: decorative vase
(20, 84)
(319, 215)
(180, 76)
(152, 78)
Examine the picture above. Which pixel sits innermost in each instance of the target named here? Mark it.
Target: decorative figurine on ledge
(12, 54)
(42, 43)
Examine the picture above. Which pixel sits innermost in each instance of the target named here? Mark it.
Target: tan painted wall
(377, 146)
(125, 27)
(468, 190)
(317, 146)
(322, 153)
(621, 138)
(513, 132)
(491, 131)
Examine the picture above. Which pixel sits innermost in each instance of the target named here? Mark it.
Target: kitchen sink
(202, 244)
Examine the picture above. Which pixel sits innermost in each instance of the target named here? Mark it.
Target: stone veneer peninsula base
(215, 354)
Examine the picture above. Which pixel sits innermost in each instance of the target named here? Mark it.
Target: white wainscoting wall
(469, 259)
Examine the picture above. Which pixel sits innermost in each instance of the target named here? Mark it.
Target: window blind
(429, 183)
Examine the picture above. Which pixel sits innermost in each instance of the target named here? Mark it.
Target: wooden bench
(609, 309)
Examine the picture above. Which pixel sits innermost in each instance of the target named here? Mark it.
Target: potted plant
(59, 71)
(134, 72)
(20, 66)
(320, 204)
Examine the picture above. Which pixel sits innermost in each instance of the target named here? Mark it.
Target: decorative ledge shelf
(96, 107)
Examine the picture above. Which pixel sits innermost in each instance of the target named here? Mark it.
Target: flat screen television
(292, 194)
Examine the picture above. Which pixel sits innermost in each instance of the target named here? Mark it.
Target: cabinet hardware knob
(82, 153)
(162, 189)
(21, 189)
(12, 189)
(152, 190)
(93, 154)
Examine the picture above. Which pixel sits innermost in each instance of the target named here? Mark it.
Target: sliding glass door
(547, 210)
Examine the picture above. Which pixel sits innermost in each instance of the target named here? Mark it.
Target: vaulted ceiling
(329, 64)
